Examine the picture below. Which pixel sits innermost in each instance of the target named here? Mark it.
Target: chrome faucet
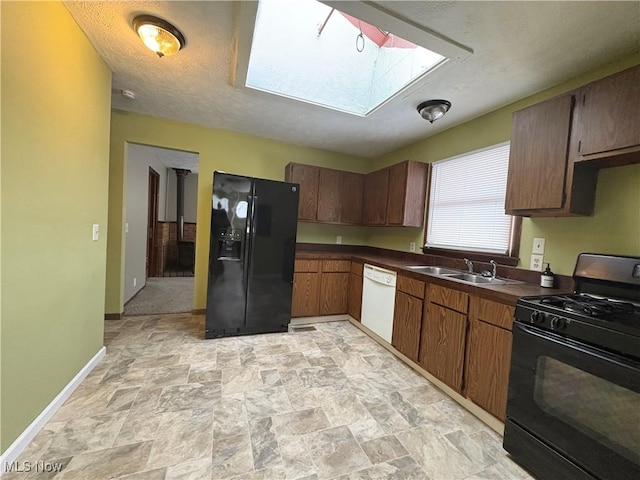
(469, 264)
(494, 271)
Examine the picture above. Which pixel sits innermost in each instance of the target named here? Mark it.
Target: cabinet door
(442, 344)
(376, 191)
(610, 113)
(308, 177)
(329, 193)
(306, 294)
(352, 188)
(407, 323)
(538, 155)
(407, 194)
(487, 371)
(334, 291)
(397, 193)
(354, 306)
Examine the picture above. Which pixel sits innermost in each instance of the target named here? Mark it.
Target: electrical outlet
(135, 281)
(536, 262)
(538, 246)
(412, 247)
(338, 239)
(95, 232)
(126, 227)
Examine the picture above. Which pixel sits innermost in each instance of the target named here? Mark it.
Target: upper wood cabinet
(308, 177)
(391, 196)
(538, 155)
(351, 192)
(608, 116)
(396, 195)
(557, 146)
(376, 194)
(329, 196)
(407, 194)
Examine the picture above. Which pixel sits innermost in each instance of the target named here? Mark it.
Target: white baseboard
(15, 449)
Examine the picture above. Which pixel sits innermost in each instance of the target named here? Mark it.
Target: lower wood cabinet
(407, 324)
(487, 370)
(334, 289)
(305, 299)
(320, 287)
(489, 355)
(354, 304)
(443, 344)
(407, 316)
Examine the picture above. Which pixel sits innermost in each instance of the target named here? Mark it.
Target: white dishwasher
(378, 300)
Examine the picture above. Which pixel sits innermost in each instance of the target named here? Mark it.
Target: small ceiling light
(159, 35)
(432, 110)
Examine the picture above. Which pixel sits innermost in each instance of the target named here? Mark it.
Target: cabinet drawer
(495, 313)
(307, 265)
(450, 298)
(357, 268)
(336, 265)
(411, 286)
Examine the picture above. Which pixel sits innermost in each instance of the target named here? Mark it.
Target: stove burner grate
(589, 306)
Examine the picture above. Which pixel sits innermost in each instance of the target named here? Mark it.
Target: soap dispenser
(547, 278)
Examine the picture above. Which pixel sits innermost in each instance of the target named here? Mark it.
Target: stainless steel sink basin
(433, 270)
(477, 278)
(472, 278)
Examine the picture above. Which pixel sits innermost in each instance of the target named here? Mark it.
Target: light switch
(538, 246)
(96, 231)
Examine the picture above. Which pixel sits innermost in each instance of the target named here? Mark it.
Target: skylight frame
(453, 52)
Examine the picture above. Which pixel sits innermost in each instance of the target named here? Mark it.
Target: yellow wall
(614, 227)
(218, 150)
(56, 96)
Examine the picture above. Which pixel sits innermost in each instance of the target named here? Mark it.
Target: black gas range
(573, 409)
(610, 323)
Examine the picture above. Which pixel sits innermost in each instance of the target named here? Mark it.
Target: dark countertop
(505, 293)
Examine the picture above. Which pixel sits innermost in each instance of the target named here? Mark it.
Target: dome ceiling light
(158, 35)
(433, 110)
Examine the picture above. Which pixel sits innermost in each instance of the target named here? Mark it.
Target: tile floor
(323, 404)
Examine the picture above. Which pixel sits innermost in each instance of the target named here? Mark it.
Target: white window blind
(466, 202)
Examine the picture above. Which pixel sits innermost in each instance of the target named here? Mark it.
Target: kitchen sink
(472, 278)
(478, 278)
(433, 270)
(446, 272)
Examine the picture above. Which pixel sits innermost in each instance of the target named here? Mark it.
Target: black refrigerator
(251, 255)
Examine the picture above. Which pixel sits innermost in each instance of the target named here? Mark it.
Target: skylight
(311, 52)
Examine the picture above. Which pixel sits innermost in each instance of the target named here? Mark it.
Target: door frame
(152, 222)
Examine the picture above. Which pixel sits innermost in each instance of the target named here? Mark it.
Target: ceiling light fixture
(432, 110)
(159, 35)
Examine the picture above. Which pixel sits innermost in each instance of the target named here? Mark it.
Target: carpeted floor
(163, 295)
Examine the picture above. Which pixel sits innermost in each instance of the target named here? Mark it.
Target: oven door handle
(568, 342)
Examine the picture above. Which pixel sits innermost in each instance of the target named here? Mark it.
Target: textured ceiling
(518, 48)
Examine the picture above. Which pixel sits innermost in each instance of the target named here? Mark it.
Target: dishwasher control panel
(380, 275)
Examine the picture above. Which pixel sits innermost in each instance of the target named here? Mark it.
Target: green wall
(56, 96)
(614, 227)
(218, 150)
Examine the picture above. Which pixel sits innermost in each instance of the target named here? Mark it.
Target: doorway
(151, 284)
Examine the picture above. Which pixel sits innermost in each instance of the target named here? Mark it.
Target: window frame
(511, 258)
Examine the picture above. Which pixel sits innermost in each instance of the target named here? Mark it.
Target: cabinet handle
(579, 146)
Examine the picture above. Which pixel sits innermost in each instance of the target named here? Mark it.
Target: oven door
(577, 401)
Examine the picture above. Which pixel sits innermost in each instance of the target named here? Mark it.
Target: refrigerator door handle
(248, 239)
